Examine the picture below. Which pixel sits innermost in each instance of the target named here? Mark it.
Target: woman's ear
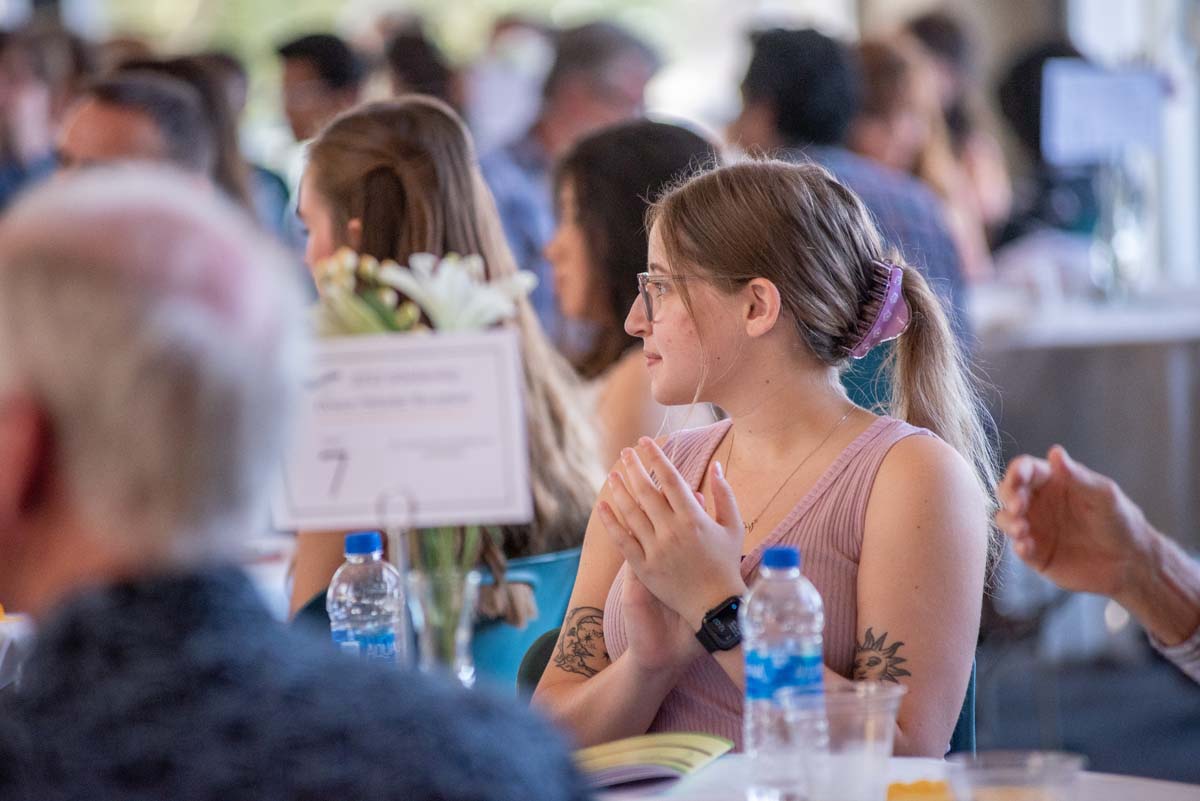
(763, 306)
(354, 234)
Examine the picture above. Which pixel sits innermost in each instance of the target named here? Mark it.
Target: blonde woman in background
(396, 178)
(950, 44)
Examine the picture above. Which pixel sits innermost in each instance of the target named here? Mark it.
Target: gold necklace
(729, 456)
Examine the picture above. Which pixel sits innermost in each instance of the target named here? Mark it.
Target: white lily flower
(452, 292)
(518, 285)
(388, 297)
(424, 264)
(473, 264)
(345, 261)
(368, 267)
(391, 274)
(348, 314)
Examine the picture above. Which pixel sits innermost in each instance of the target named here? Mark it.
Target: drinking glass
(1014, 775)
(842, 740)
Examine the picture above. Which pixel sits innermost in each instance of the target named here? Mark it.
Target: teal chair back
(536, 660)
(499, 648)
(962, 740)
(866, 382)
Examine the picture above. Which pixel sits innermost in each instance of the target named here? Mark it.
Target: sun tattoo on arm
(581, 646)
(875, 660)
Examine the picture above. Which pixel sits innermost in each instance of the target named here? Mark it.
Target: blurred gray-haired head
(160, 333)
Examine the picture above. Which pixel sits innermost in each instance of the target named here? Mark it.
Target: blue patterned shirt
(183, 687)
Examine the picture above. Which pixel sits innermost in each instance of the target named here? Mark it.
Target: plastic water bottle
(365, 602)
(781, 625)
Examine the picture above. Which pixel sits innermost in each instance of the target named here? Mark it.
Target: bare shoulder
(925, 458)
(923, 482)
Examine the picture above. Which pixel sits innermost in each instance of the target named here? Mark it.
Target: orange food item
(919, 791)
(1015, 794)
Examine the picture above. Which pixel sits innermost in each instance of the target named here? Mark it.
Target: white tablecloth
(728, 777)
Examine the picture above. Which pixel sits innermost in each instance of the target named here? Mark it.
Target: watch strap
(706, 639)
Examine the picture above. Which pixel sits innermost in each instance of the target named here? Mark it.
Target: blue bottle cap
(361, 542)
(782, 556)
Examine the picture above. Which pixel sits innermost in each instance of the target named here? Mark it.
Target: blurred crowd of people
(153, 339)
(562, 141)
(909, 103)
(558, 119)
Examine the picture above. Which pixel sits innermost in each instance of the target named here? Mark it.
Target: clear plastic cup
(1014, 775)
(842, 740)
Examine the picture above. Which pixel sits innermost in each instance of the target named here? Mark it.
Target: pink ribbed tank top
(826, 525)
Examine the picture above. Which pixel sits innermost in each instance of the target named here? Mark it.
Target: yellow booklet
(669, 755)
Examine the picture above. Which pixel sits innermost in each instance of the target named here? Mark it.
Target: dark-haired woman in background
(602, 188)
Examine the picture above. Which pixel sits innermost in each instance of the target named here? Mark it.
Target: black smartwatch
(720, 630)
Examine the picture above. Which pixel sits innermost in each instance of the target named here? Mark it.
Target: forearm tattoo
(875, 660)
(581, 645)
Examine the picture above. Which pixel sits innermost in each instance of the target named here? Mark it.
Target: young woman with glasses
(764, 280)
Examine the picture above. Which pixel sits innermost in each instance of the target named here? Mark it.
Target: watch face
(722, 624)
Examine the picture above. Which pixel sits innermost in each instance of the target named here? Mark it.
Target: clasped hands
(686, 560)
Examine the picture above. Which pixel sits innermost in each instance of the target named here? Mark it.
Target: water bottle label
(345, 642)
(767, 673)
(373, 645)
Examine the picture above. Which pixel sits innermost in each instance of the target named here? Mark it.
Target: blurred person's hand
(1078, 529)
(1072, 525)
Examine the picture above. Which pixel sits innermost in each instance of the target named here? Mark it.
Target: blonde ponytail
(932, 385)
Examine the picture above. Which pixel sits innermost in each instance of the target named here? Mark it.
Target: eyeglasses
(660, 283)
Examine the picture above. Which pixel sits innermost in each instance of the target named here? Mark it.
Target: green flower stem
(470, 548)
(445, 555)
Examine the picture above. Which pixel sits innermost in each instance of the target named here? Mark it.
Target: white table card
(429, 429)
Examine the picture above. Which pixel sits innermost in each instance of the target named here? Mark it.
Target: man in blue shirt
(598, 79)
(801, 92)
